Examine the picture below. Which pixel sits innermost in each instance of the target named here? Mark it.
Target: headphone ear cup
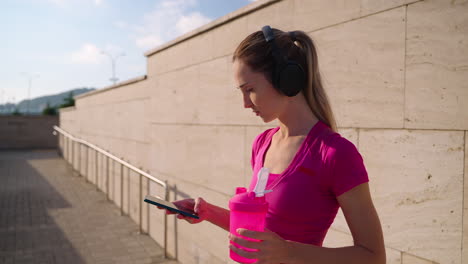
(291, 79)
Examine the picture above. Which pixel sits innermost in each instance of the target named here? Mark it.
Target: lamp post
(30, 77)
(113, 62)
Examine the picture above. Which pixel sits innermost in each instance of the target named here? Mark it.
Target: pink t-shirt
(303, 203)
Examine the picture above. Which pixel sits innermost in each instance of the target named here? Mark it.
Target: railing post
(72, 155)
(113, 181)
(107, 178)
(139, 204)
(96, 171)
(121, 189)
(86, 164)
(65, 156)
(166, 198)
(62, 148)
(128, 190)
(68, 149)
(65, 148)
(79, 159)
(147, 207)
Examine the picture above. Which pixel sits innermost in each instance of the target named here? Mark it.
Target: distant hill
(38, 104)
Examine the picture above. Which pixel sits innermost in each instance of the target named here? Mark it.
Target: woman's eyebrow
(242, 85)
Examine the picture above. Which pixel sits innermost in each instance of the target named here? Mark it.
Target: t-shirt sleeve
(257, 144)
(346, 167)
(255, 147)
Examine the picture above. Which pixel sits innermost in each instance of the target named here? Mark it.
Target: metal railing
(69, 142)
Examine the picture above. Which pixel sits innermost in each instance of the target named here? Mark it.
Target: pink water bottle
(248, 210)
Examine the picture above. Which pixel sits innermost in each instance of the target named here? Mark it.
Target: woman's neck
(297, 118)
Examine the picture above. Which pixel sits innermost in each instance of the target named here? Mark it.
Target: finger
(269, 233)
(252, 234)
(180, 216)
(243, 253)
(196, 208)
(245, 243)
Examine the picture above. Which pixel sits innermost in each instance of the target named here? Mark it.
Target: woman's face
(258, 93)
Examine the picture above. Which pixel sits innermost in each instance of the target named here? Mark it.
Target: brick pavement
(47, 215)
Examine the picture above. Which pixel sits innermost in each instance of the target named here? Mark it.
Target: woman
(314, 170)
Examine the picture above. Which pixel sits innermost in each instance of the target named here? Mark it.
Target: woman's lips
(257, 113)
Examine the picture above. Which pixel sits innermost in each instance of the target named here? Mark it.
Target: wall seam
(271, 126)
(245, 158)
(94, 105)
(112, 137)
(463, 194)
(404, 67)
(191, 65)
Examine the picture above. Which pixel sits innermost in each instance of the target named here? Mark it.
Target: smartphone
(169, 206)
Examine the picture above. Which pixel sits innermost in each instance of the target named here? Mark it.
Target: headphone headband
(268, 33)
(270, 38)
(288, 76)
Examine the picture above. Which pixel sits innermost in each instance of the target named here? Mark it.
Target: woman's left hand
(271, 249)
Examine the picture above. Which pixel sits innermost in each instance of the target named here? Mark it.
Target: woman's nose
(247, 102)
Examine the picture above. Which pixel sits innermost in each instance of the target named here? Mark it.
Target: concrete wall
(396, 73)
(27, 132)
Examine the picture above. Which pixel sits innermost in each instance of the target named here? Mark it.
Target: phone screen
(168, 205)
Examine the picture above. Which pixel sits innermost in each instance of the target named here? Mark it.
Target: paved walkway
(49, 216)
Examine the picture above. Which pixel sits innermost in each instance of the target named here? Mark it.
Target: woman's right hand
(198, 206)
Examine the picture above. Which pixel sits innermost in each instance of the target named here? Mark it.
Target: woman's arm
(365, 228)
(362, 220)
(218, 216)
(206, 211)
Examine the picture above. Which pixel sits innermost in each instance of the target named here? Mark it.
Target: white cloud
(148, 41)
(87, 54)
(91, 54)
(113, 50)
(191, 21)
(168, 20)
(97, 2)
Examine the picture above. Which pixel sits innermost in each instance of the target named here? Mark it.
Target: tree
(68, 101)
(49, 110)
(16, 112)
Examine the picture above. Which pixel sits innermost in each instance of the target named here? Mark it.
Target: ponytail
(314, 92)
(255, 52)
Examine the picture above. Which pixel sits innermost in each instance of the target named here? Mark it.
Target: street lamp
(30, 77)
(113, 61)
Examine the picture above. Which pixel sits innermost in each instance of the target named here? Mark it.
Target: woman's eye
(249, 90)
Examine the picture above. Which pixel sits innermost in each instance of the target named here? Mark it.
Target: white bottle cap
(262, 179)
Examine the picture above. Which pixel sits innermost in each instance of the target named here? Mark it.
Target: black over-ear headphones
(288, 76)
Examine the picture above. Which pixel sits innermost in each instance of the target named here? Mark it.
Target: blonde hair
(256, 52)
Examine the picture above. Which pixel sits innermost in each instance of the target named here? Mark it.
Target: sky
(59, 45)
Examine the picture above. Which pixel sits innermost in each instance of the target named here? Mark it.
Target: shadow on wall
(178, 195)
